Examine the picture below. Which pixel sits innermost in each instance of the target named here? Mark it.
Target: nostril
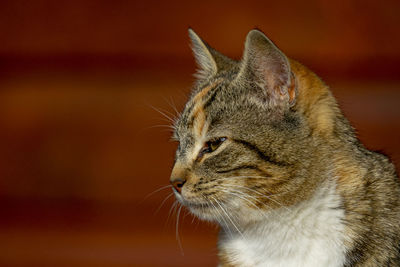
(178, 184)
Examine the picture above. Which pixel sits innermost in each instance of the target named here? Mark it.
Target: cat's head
(240, 136)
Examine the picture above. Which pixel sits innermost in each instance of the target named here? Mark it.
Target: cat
(265, 152)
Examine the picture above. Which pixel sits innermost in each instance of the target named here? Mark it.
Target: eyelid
(222, 139)
(218, 140)
(207, 146)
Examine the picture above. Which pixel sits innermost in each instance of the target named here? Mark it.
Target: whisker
(252, 177)
(227, 215)
(157, 190)
(169, 127)
(270, 194)
(162, 203)
(187, 213)
(169, 116)
(242, 196)
(172, 210)
(177, 230)
(167, 112)
(256, 200)
(255, 191)
(220, 216)
(172, 105)
(246, 187)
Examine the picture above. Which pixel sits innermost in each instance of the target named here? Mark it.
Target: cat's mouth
(199, 207)
(204, 209)
(191, 203)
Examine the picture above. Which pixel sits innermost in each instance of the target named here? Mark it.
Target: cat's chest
(310, 236)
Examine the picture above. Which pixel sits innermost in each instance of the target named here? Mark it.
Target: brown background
(81, 145)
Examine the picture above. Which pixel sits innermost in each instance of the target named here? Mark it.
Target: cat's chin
(202, 211)
(203, 215)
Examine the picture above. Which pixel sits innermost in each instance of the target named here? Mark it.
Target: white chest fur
(309, 234)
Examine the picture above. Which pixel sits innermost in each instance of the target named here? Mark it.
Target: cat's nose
(178, 183)
(178, 176)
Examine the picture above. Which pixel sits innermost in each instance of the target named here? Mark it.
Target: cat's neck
(307, 234)
(317, 104)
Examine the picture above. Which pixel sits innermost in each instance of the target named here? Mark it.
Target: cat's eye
(212, 145)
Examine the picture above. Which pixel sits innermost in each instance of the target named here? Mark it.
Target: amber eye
(212, 145)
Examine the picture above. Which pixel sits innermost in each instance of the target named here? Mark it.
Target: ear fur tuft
(205, 61)
(209, 60)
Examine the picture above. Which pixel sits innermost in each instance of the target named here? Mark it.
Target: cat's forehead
(207, 105)
(194, 117)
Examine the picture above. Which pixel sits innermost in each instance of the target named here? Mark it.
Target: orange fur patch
(198, 111)
(314, 100)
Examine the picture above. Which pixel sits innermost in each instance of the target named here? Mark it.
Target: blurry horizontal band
(380, 68)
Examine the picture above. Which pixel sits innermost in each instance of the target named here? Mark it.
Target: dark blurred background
(82, 145)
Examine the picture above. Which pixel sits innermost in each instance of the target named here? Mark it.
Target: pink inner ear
(275, 75)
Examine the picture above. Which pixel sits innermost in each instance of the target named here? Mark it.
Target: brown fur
(281, 123)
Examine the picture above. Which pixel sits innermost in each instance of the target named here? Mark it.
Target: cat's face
(237, 135)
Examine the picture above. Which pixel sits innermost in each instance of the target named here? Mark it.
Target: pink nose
(178, 183)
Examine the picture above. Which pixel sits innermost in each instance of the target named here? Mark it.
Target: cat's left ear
(209, 60)
(266, 66)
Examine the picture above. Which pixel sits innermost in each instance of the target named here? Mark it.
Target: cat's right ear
(209, 60)
(267, 67)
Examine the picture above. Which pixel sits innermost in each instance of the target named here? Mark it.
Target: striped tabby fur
(267, 154)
